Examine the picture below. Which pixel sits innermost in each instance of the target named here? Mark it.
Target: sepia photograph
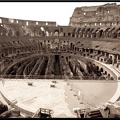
(60, 60)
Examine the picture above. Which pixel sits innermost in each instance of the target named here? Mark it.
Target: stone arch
(56, 32)
(101, 69)
(61, 34)
(101, 33)
(69, 34)
(41, 45)
(101, 59)
(109, 77)
(42, 31)
(61, 29)
(105, 73)
(97, 67)
(73, 32)
(18, 51)
(46, 33)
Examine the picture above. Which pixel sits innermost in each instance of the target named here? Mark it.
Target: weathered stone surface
(3, 108)
(10, 114)
(111, 110)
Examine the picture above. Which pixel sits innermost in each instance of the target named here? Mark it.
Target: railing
(65, 77)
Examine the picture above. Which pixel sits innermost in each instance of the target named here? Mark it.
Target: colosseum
(53, 71)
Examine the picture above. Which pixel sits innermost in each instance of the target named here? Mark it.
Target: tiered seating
(94, 114)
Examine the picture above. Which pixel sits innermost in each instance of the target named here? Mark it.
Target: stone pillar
(105, 54)
(117, 58)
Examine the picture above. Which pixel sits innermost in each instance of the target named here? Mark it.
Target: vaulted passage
(54, 67)
(44, 66)
(57, 71)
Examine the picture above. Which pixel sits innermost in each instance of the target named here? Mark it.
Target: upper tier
(104, 15)
(26, 22)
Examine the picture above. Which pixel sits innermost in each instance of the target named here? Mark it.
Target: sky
(59, 12)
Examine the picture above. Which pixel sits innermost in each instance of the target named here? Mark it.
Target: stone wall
(106, 15)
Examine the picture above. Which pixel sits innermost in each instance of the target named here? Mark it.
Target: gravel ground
(61, 99)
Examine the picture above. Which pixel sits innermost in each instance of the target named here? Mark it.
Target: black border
(59, 1)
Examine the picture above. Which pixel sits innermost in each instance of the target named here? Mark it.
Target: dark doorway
(57, 71)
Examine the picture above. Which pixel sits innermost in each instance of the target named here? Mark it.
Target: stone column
(117, 57)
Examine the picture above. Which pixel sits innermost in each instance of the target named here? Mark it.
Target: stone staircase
(95, 114)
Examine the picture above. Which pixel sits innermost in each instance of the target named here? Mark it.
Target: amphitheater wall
(105, 68)
(26, 22)
(100, 65)
(1, 66)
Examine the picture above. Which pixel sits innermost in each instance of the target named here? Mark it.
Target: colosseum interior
(50, 71)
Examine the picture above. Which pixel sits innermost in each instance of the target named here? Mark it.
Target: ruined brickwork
(95, 16)
(26, 22)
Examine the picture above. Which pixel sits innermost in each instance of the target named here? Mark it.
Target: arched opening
(97, 68)
(109, 75)
(40, 45)
(73, 34)
(42, 28)
(18, 52)
(2, 55)
(56, 33)
(43, 31)
(102, 60)
(110, 57)
(101, 32)
(101, 69)
(71, 46)
(91, 50)
(69, 34)
(36, 23)
(61, 29)
(105, 73)
(47, 33)
(26, 23)
(109, 78)
(0, 20)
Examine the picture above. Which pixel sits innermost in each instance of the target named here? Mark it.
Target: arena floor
(61, 99)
